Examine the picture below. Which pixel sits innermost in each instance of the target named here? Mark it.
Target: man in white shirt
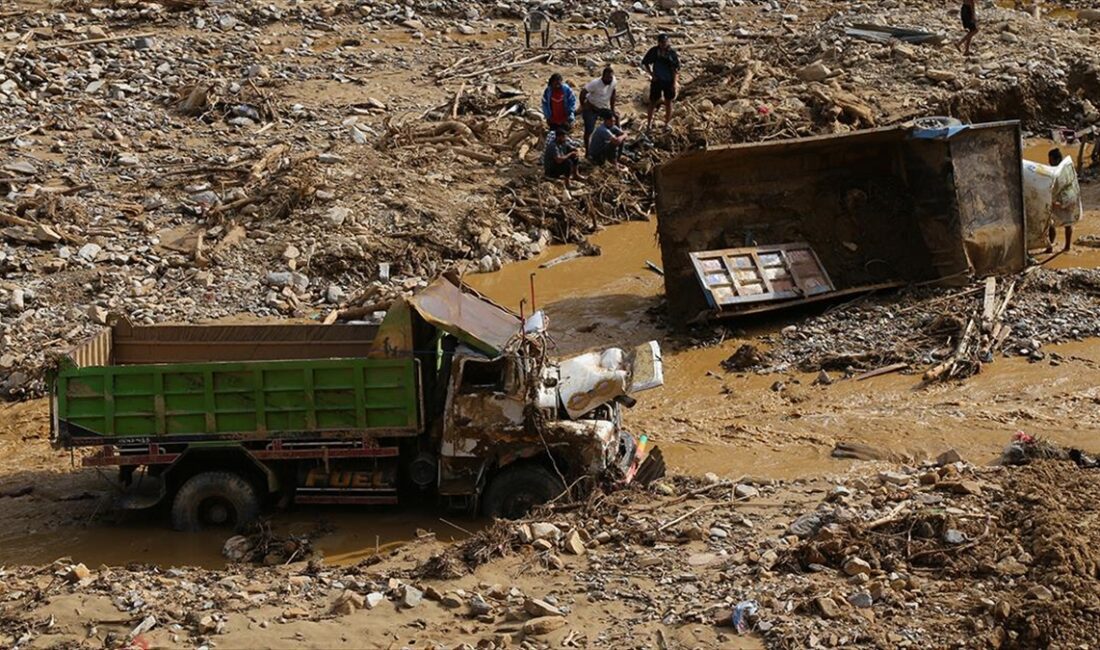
(597, 96)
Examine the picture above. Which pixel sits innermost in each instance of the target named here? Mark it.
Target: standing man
(597, 96)
(663, 65)
(559, 104)
(970, 24)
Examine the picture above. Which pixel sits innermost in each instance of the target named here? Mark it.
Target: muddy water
(351, 535)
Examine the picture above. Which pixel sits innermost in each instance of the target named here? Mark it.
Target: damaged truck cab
(452, 396)
(543, 420)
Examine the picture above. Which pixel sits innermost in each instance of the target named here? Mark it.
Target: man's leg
(589, 118)
(1069, 238)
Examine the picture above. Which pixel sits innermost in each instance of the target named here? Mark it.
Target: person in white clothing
(597, 96)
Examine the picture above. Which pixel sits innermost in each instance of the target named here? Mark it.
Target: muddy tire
(517, 489)
(214, 500)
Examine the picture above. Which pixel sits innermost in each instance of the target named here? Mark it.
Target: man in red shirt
(559, 104)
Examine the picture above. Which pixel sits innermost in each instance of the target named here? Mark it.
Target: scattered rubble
(944, 330)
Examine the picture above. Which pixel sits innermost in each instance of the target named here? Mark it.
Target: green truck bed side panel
(267, 397)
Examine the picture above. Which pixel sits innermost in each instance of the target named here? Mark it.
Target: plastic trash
(741, 614)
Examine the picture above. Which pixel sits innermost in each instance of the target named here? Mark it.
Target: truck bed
(232, 382)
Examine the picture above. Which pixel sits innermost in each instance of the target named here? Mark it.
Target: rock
(670, 4)
(335, 295)
(348, 603)
(288, 279)
(206, 625)
(128, 160)
(98, 315)
(543, 625)
(823, 379)
(948, 457)
(543, 530)
(17, 302)
(1040, 593)
(291, 252)
(337, 215)
(894, 478)
(1009, 37)
(939, 75)
(574, 544)
(742, 491)
(1089, 15)
(953, 536)
(89, 252)
(1010, 566)
(814, 72)
(295, 612)
(411, 597)
(523, 532)
(373, 599)
(465, 30)
(21, 167)
(542, 545)
(965, 486)
(718, 533)
(827, 607)
(806, 525)
(450, 600)
(856, 566)
(861, 599)
(236, 548)
(479, 606)
(539, 608)
(78, 573)
(555, 562)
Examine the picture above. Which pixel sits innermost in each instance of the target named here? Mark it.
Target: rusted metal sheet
(734, 276)
(467, 315)
(126, 344)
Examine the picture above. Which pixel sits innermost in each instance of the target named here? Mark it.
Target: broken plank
(885, 370)
(989, 302)
(96, 41)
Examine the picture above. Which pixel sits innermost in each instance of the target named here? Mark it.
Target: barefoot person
(663, 65)
(970, 24)
(561, 158)
(607, 140)
(1064, 213)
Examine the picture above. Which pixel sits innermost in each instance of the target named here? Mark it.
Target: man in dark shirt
(561, 158)
(663, 65)
(607, 140)
(970, 24)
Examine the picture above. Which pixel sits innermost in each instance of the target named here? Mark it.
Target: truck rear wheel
(214, 500)
(519, 488)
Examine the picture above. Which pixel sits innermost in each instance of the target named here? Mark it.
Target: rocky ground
(199, 159)
(190, 160)
(942, 554)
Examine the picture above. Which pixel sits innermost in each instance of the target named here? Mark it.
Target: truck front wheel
(214, 500)
(519, 488)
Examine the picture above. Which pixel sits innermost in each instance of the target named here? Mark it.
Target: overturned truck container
(756, 227)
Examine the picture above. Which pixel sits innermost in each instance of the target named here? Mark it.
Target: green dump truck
(451, 394)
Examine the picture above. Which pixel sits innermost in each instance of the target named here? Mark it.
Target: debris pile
(951, 331)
